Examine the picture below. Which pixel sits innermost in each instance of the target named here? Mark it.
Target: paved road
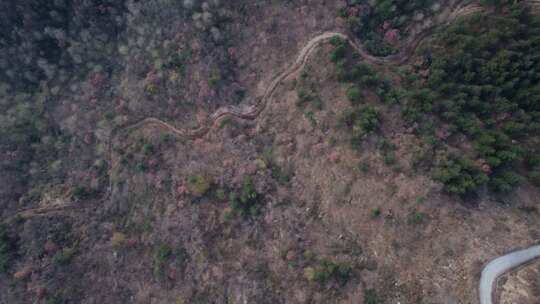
(501, 265)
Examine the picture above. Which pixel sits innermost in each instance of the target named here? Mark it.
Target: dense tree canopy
(373, 20)
(483, 81)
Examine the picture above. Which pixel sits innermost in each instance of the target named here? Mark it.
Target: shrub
(23, 273)
(342, 12)
(282, 176)
(198, 185)
(82, 192)
(534, 177)
(354, 24)
(361, 70)
(371, 297)
(178, 60)
(214, 79)
(338, 53)
(57, 298)
(367, 119)
(341, 71)
(533, 160)
(308, 96)
(416, 217)
(309, 274)
(389, 158)
(141, 167)
(494, 2)
(379, 47)
(361, 121)
(63, 257)
(165, 138)
(303, 97)
(247, 201)
(327, 270)
(392, 96)
(337, 41)
(148, 149)
(332, 141)
(364, 166)
(162, 253)
(118, 240)
(221, 195)
(504, 181)
(317, 103)
(354, 94)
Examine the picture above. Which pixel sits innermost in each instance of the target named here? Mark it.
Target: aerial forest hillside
(274, 151)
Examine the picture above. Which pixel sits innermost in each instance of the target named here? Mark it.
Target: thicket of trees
(46, 47)
(370, 20)
(361, 121)
(483, 81)
(480, 78)
(30, 143)
(44, 40)
(460, 175)
(60, 68)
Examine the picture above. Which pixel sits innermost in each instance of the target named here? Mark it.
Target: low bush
(303, 97)
(162, 253)
(533, 160)
(220, 194)
(337, 41)
(416, 217)
(364, 166)
(198, 185)
(376, 212)
(389, 158)
(118, 240)
(379, 47)
(354, 94)
(504, 181)
(534, 177)
(281, 175)
(82, 192)
(246, 202)
(327, 270)
(361, 121)
(148, 149)
(338, 53)
(371, 297)
(63, 257)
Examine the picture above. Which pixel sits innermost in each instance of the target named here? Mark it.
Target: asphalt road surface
(500, 265)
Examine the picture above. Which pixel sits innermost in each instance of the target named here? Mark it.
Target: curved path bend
(253, 110)
(494, 269)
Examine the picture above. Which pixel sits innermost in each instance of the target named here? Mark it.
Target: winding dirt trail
(252, 111)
